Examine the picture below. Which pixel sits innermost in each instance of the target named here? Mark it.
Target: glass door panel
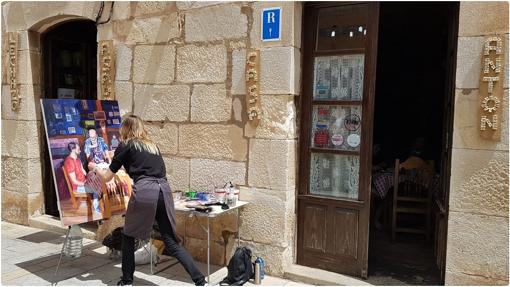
(334, 175)
(342, 28)
(336, 127)
(339, 77)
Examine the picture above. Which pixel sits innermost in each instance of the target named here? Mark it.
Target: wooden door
(339, 64)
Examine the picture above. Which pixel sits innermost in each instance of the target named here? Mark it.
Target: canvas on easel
(82, 134)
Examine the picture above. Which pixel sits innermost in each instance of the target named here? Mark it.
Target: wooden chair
(412, 195)
(76, 197)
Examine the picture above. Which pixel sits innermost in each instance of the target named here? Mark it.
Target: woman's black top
(137, 162)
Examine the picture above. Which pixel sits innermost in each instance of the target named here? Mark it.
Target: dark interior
(411, 91)
(69, 53)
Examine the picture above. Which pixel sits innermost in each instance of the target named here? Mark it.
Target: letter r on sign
(270, 17)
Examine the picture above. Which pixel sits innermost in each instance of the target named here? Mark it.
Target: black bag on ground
(240, 268)
(114, 239)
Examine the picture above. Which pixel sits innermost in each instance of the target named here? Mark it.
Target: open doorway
(69, 55)
(412, 123)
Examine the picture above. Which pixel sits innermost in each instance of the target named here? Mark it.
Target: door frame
(47, 40)
(448, 119)
(362, 204)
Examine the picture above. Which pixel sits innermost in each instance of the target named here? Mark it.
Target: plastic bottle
(74, 242)
(262, 267)
(231, 200)
(257, 273)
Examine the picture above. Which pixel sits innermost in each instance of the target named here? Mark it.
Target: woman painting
(151, 199)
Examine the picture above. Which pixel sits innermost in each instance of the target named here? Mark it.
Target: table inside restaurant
(384, 180)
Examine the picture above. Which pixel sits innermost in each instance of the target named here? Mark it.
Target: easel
(100, 222)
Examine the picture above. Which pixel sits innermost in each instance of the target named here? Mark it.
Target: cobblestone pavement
(30, 256)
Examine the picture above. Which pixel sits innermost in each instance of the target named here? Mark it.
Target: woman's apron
(141, 211)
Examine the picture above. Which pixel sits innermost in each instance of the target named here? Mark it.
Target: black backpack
(240, 268)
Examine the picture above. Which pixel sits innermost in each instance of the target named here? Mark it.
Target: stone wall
(179, 65)
(477, 246)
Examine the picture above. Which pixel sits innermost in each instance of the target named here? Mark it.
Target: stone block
(462, 279)
(238, 72)
(154, 64)
(198, 249)
(272, 164)
(483, 18)
(201, 63)
(479, 182)
(165, 136)
(30, 107)
(124, 95)
(277, 258)
(121, 10)
(29, 67)
(162, 102)
(237, 109)
(42, 13)
(210, 103)
(5, 60)
(290, 33)
(278, 119)
(35, 204)
(466, 131)
(152, 30)
(215, 23)
(186, 5)
(180, 219)
(280, 70)
(265, 204)
(123, 60)
(105, 32)
(206, 173)
(21, 139)
(14, 207)
(469, 62)
(22, 175)
(213, 141)
(29, 40)
(144, 8)
(177, 172)
(477, 244)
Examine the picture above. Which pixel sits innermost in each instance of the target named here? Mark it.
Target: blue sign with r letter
(271, 24)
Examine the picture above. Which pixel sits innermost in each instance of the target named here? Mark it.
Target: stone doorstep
(315, 276)
(50, 223)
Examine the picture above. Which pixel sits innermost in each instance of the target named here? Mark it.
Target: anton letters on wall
(13, 70)
(107, 70)
(491, 88)
(252, 86)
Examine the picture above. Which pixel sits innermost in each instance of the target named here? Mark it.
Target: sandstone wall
(477, 247)
(179, 65)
